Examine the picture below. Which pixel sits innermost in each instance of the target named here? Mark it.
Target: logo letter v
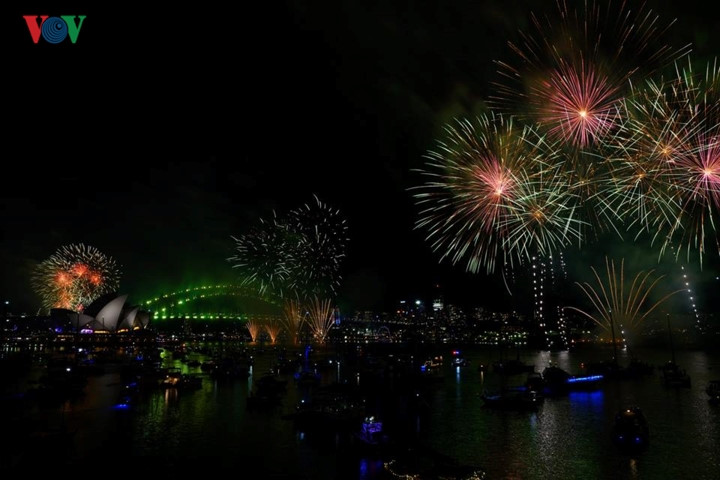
(34, 26)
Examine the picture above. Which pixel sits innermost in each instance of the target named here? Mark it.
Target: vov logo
(54, 29)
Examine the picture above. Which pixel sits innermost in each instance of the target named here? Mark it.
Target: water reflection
(568, 436)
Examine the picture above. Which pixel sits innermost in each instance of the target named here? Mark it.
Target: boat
(267, 393)
(431, 371)
(372, 438)
(713, 391)
(674, 376)
(520, 399)
(631, 433)
(174, 378)
(332, 407)
(371, 431)
(512, 367)
(555, 381)
(458, 360)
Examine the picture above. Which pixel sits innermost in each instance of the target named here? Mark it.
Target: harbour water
(212, 429)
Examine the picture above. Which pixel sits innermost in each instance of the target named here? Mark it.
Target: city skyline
(158, 146)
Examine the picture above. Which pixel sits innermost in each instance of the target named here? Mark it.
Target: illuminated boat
(631, 433)
(458, 360)
(556, 381)
(372, 438)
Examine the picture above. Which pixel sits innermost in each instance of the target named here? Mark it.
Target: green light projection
(211, 302)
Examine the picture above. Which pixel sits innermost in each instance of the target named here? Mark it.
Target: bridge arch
(208, 302)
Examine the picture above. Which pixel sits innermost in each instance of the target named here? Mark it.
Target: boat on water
(333, 407)
(371, 437)
(519, 399)
(631, 433)
(458, 360)
(512, 366)
(174, 378)
(713, 391)
(674, 376)
(554, 381)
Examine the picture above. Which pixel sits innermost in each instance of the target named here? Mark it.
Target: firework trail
(320, 318)
(254, 326)
(293, 318)
(74, 276)
(618, 309)
(273, 327)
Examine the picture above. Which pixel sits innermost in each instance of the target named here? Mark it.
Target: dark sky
(163, 132)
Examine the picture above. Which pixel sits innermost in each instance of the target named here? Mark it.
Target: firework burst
(74, 276)
(695, 163)
(262, 257)
(495, 194)
(321, 233)
(573, 68)
(644, 158)
(296, 255)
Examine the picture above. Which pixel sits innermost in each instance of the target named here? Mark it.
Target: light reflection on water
(568, 437)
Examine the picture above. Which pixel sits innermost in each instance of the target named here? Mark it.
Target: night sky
(161, 134)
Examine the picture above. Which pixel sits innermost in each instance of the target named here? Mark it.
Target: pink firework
(703, 172)
(578, 104)
(572, 67)
(489, 190)
(495, 192)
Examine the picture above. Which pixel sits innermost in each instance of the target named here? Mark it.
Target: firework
(321, 233)
(320, 318)
(293, 318)
(644, 158)
(618, 307)
(573, 68)
(295, 255)
(669, 163)
(496, 192)
(253, 326)
(74, 276)
(273, 327)
(262, 254)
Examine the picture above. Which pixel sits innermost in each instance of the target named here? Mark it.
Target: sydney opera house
(107, 314)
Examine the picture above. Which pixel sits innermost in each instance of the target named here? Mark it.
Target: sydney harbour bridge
(212, 302)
